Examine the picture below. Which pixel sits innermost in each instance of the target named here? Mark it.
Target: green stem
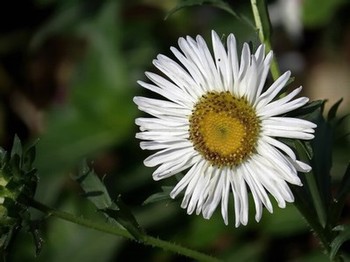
(114, 230)
(315, 195)
(319, 222)
(259, 11)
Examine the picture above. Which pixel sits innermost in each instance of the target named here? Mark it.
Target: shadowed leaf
(160, 196)
(16, 147)
(343, 192)
(123, 215)
(333, 110)
(216, 3)
(343, 236)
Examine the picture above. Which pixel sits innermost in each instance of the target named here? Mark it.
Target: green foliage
(315, 199)
(216, 3)
(333, 110)
(94, 189)
(100, 111)
(65, 241)
(319, 12)
(18, 181)
(343, 192)
(116, 211)
(344, 235)
(160, 196)
(308, 111)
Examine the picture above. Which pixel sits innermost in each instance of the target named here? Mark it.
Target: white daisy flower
(219, 125)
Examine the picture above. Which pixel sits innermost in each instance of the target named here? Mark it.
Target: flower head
(219, 125)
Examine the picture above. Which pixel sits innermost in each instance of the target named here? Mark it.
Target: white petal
(157, 145)
(189, 192)
(192, 68)
(275, 160)
(260, 54)
(196, 168)
(263, 75)
(162, 136)
(225, 196)
(208, 62)
(192, 186)
(272, 91)
(174, 167)
(245, 61)
(274, 142)
(277, 187)
(288, 122)
(251, 81)
(240, 89)
(259, 194)
(199, 193)
(167, 89)
(166, 155)
(215, 193)
(240, 195)
(301, 166)
(233, 57)
(190, 49)
(222, 63)
(281, 109)
(156, 124)
(152, 106)
(288, 127)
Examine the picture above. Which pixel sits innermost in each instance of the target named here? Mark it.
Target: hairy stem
(118, 231)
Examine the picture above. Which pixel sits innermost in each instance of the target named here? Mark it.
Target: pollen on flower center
(223, 128)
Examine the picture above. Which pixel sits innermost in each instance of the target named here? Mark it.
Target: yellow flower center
(223, 128)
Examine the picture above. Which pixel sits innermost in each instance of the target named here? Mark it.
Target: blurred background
(68, 72)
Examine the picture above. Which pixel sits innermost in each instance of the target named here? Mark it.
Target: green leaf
(313, 189)
(16, 147)
(216, 3)
(308, 109)
(160, 196)
(97, 193)
(342, 119)
(29, 156)
(343, 236)
(123, 215)
(3, 155)
(333, 110)
(344, 185)
(306, 145)
(36, 234)
(91, 183)
(341, 196)
(290, 80)
(322, 160)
